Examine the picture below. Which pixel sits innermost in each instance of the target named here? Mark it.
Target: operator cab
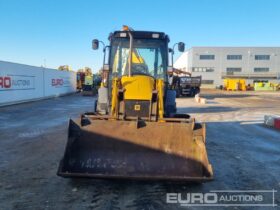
(138, 64)
(149, 54)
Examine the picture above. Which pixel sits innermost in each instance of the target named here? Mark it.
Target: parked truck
(188, 86)
(185, 83)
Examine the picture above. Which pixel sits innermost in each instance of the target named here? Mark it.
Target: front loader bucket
(133, 150)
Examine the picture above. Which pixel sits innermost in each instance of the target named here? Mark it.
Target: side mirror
(95, 44)
(181, 46)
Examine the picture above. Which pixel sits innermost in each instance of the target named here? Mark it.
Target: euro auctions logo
(224, 198)
(17, 82)
(60, 82)
(57, 82)
(192, 198)
(5, 82)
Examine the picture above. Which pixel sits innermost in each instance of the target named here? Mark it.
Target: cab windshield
(149, 57)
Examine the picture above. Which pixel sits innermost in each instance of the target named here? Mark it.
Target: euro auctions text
(224, 198)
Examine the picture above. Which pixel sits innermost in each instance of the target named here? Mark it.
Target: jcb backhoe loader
(134, 132)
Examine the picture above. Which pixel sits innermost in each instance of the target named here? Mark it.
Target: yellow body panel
(114, 97)
(160, 89)
(88, 80)
(138, 87)
(235, 84)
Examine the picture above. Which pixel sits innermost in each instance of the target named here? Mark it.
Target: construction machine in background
(189, 86)
(87, 88)
(134, 132)
(185, 84)
(235, 84)
(265, 86)
(80, 79)
(85, 81)
(97, 79)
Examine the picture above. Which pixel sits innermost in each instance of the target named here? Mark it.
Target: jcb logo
(5, 82)
(137, 107)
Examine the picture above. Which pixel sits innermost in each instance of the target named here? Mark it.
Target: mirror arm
(172, 54)
(104, 50)
(174, 47)
(104, 53)
(103, 45)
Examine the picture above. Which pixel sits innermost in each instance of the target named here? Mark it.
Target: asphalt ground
(245, 155)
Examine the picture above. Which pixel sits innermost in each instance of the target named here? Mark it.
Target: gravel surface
(244, 153)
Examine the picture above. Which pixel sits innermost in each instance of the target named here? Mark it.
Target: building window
(231, 70)
(257, 80)
(207, 82)
(207, 57)
(203, 69)
(209, 70)
(261, 69)
(234, 69)
(234, 57)
(262, 57)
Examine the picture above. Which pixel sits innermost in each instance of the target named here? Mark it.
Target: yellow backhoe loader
(135, 132)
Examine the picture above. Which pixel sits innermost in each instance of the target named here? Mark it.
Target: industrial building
(217, 63)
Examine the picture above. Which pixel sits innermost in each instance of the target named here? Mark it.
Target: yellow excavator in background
(85, 81)
(135, 132)
(88, 84)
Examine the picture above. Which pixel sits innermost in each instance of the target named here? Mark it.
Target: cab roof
(140, 35)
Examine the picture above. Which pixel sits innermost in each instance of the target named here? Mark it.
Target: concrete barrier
(199, 99)
(277, 123)
(203, 100)
(21, 83)
(59, 82)
(269, 120)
